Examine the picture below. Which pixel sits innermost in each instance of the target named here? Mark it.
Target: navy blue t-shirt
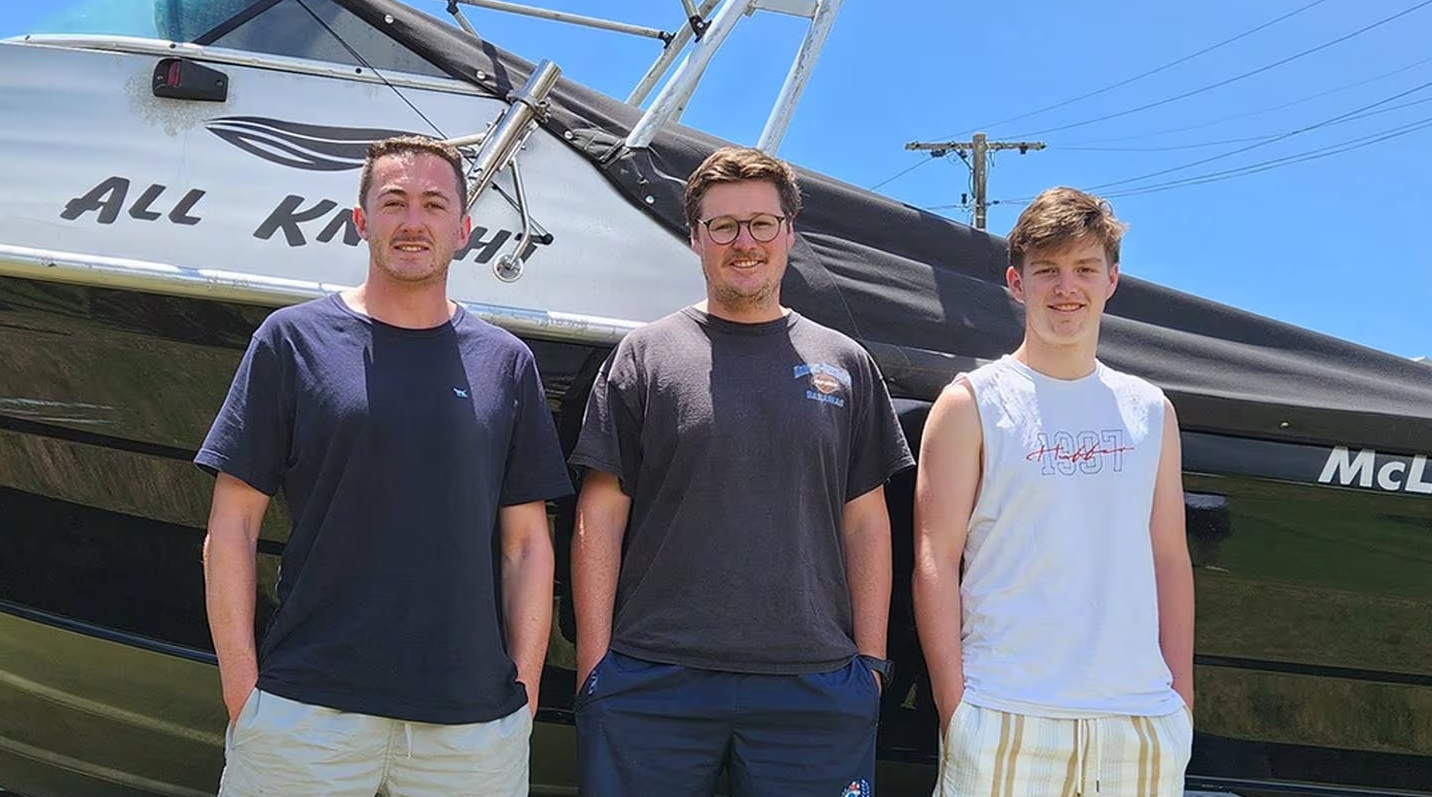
(394, 448)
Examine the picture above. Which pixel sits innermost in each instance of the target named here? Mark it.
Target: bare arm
(865, 528)
(527, 563)
(946, 486)
(1173, 570)
(602, 510)
(231, 583)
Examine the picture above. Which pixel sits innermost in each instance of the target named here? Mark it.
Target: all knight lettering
(298, 219)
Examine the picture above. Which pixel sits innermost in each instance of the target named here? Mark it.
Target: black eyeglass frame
(780, 221)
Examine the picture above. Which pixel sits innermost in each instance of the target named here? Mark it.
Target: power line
(892, 178)
(1262, 166)
(1170, 148)
(1154, 71)
(1288, 160)
(1259, 112)
(1279, 137)
(1269, 137)
(1235, 78)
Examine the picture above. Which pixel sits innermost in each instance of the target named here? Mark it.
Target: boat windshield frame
(320, 31)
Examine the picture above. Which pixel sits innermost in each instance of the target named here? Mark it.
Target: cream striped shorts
(990, 753)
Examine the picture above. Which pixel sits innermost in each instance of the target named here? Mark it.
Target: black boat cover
(926, 295)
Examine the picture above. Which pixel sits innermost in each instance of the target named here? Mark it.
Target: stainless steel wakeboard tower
(502, 141)
(710, 31)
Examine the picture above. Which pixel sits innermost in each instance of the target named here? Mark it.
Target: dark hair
(412, 145)
(738, 164)
(1059, 216)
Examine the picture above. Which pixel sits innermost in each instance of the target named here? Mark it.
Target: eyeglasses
(764, 227)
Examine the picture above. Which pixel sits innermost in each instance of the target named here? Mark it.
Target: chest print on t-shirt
(828, 384)
(1087, 452)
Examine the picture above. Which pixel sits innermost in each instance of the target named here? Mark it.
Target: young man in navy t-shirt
(404, 434)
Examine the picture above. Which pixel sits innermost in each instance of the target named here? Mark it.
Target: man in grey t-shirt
(731, 566)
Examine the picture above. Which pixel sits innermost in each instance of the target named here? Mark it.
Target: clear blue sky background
(1338, 243)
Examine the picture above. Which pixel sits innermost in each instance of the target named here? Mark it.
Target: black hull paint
(1315, 656)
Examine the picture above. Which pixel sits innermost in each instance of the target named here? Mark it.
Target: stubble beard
(737, 299)
(413, 275)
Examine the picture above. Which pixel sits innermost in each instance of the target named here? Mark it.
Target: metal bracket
(696, 18)
(501, 142)
(509, 265)
(461, 19)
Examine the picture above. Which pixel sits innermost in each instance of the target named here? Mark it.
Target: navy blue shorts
(662, 730)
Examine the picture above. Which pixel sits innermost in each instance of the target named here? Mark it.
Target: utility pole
(979, 149)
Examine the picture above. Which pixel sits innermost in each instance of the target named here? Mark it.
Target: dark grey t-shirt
(739, 445)
(395, 449)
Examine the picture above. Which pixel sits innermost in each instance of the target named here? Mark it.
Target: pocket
(948, 736)
(589, 686)
(243, 720)
(868, 674)
(1181, 723)
(870, 689)
(517, 725)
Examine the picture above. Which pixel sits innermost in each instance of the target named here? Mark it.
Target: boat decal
(1367, 469)
(296, 145)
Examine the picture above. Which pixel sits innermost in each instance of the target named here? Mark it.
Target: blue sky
(1292, 227)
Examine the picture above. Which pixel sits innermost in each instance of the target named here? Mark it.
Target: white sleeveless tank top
(1060, 609)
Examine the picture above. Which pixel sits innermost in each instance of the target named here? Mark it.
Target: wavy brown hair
(1058, 217)
(738, 164)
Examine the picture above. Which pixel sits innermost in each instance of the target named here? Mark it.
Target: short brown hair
(1059, 216)
(412, 145)
(738, 164)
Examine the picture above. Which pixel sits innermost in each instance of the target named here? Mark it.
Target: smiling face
(412, 218)
(743, 277)
(1064, 291)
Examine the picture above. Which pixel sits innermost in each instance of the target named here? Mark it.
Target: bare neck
(1073, 361)
(419, 307)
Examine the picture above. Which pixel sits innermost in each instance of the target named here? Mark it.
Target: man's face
(413, 221)
(742, 276)
(1064, 291)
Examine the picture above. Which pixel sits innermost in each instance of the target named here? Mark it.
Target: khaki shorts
(280, 746)
(990, 753)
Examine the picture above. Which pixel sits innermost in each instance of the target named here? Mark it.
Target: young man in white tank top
(1062, 661)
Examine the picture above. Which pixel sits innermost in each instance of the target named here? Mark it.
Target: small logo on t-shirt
(825, 382)
(1083, 452)
(857, 788)
(459, 392)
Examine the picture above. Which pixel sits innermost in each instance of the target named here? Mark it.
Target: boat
(167, 190)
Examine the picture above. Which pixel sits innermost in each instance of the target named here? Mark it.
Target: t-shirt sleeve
(611, 431)
(878, 449)
(535, 470)
(250, 437)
